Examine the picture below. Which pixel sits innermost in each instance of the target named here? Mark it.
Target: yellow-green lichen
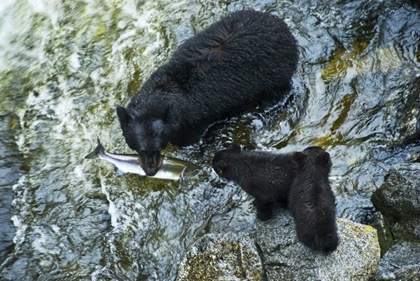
(343, 60)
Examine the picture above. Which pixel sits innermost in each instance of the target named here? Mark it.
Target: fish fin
(94, 154)
(196, 172)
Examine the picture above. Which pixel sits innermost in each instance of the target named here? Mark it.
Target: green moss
(224, 258)
(344, 106)
(136, 81)
(203, 267)
(385, 238)
(342, 60)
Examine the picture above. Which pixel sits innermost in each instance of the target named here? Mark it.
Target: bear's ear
(234, 147)
(300, 158)
(323, 158)
(123, 115)
(220, 166)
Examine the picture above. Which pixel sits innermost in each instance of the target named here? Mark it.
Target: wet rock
(384, 233)
(408, 116)
(228, 256)
(407, 230)
(10, 171)
(284, 258)
(401, 262)
(236, 257)
(398, 199)
(356, 209)
(7, 230)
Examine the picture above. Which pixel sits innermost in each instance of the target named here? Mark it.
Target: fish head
(147, 136)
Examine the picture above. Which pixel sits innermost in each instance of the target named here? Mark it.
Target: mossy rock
(228, 256)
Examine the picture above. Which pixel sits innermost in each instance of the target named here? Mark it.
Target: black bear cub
(244, 60)
(312, 202)
(265, 176)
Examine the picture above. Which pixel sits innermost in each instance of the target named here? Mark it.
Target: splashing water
(66, 65)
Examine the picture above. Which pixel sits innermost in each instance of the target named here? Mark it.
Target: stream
(65, 65)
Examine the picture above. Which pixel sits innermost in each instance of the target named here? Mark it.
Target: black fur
(312, 202)
(265, 176)
(244, 60)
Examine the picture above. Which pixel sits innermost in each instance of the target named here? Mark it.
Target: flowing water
(65, 66)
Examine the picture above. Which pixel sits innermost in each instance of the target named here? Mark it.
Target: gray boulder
(238, 256)
(284, 258)
(227, 256)
(401, 262)
(407, 119)
(398, 199)
(384, 233)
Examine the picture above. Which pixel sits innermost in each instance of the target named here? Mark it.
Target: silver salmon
(171, 169)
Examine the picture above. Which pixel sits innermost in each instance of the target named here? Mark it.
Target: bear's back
(246, 48)
(312, 202)
(264, 175)
(243, 61)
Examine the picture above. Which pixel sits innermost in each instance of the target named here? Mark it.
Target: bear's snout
(150, 163)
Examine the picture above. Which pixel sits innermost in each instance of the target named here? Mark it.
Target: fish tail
(98, 150)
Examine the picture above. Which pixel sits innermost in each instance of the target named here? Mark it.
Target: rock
(356, 209)
(10, 172)
(407, 118)
(398, 199)
(384, 233)
(230, 256)
(407, 230)
(284, 258)
(401, 262)
(234, 256)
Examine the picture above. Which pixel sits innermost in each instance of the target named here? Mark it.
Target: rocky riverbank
(398, 201)
(272, 252)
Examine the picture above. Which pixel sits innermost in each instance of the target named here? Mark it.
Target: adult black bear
(266, 176)
(312, 202)
(244, 60)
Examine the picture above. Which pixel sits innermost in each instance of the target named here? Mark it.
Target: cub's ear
(300, 158)
(220, 166)
(123, 115)
(323, 158)
(234, 147)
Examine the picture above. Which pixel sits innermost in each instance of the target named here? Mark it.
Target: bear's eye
(221, 167)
